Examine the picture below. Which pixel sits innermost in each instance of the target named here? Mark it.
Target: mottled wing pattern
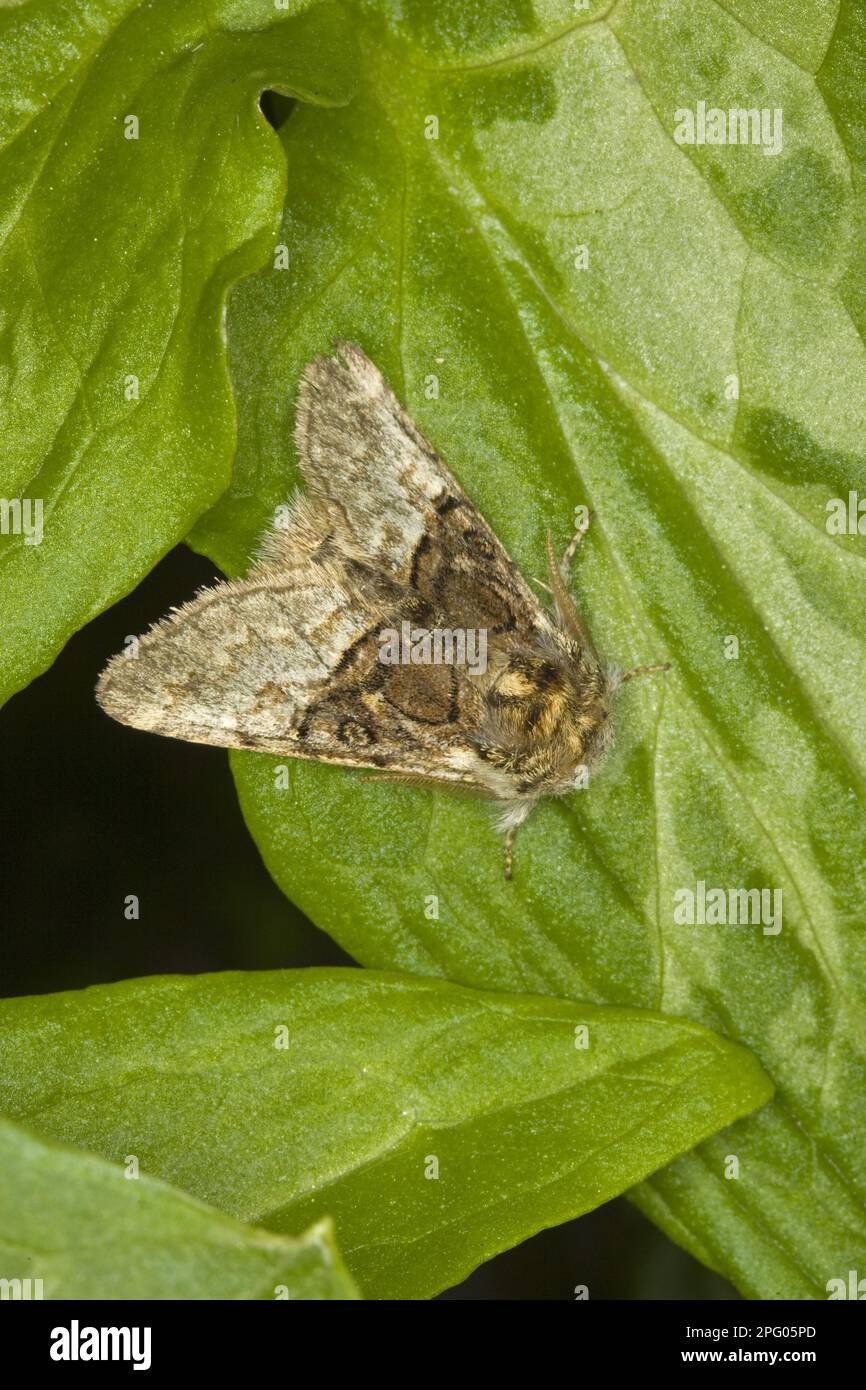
(287, 660)
(246, 666)
(389, 496)
(234, 666)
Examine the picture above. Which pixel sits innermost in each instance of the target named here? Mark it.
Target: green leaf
(279, 1096)
(702, 385)
(85, 1230)
(116, 255)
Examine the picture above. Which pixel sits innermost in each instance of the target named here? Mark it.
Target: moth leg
(644, 671)
(571, 549)
(509, 846)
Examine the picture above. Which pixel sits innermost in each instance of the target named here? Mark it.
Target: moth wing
(363, 455)
(386, 491)
(288, 662)
(236, 665)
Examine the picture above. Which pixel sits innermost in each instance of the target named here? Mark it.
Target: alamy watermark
(22, 516)
(853, 1287)
(731, 907)
(846, 516)
(21, 1290)
(738, 125)
(436, 646)
(77, 1343)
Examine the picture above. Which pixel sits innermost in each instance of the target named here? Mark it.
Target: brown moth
(292, 659)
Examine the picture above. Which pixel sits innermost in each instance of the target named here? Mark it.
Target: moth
(291, 660)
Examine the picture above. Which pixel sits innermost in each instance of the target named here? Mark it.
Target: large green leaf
(116, 255)
(702, 385)
(85, 1228)
(282, 1096)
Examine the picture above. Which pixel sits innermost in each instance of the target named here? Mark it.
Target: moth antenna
(564, 602)
(645, 671)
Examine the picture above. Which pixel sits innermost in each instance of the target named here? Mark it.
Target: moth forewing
(347, 643)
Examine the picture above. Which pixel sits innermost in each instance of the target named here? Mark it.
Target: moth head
(548, 717)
